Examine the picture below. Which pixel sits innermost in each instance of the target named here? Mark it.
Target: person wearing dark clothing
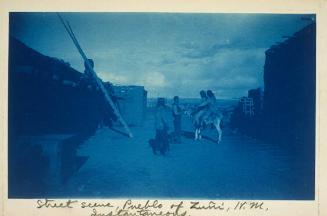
(87, 70)
(177, 115)
(160, 143)
(86, 79)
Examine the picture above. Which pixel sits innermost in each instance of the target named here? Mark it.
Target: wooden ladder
(94, 75)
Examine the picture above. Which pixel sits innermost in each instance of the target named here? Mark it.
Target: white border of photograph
(13, 207)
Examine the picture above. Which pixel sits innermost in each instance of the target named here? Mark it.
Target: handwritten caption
(152, 207)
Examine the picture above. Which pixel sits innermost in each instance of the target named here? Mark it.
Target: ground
(237, 168)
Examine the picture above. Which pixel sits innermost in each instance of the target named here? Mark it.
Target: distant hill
(183, 101)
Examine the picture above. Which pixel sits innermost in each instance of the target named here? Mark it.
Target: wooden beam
(94, 76)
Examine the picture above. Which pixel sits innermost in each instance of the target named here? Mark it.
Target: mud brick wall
(132, 103)
(289, 96)
(288, 107)
(45, 97)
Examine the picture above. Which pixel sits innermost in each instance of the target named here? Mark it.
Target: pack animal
(215, 119)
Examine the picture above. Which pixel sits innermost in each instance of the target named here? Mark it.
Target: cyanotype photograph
(161, 105)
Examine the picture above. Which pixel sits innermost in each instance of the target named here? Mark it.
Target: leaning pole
(94, 76)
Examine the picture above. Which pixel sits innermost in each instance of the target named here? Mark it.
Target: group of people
(206, 108)
(203, 111)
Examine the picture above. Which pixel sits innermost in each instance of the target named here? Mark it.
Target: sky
(168, 53)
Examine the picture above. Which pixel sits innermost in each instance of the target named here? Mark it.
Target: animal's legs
(196, 134)
(220, 132)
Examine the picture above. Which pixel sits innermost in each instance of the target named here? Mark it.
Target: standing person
(177, 115)
(161, 139)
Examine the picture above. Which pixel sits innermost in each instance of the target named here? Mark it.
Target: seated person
(201, 109)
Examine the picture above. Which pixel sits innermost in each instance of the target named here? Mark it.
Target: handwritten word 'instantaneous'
(138, 213)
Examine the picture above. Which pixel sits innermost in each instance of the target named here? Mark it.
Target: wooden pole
(94, 76)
